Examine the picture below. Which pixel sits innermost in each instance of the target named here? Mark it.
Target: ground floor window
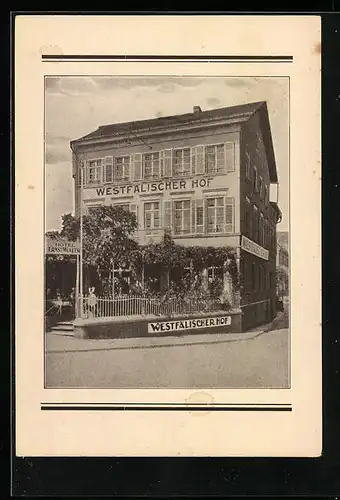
(151, 215)
(182, 217)
(215, 215)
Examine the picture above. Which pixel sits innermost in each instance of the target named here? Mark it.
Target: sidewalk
(58, 343)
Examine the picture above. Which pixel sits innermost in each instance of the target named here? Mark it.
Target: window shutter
(137, 167)
(229, 215)
(197, 160)
(229, 156)
(134, 210)
(167, 162)
(108, 169)
(199, 227)
(193, 216)
(168, 215)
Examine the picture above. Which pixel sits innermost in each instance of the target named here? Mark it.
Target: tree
(107, 236)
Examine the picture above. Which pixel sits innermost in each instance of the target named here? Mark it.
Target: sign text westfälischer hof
(188, 324)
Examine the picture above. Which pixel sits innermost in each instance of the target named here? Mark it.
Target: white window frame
(215, 213)
(98, 179)
(152, 211)
(182, 200)
(124, 177)
(182, 173)
(144, 155)
(216, 171)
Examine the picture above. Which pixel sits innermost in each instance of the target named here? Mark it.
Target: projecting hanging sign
(253, 248)
(60, 246)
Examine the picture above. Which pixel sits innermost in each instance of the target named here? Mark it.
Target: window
(248, 167)
(182, 217)
(151, 168)
(265, 195)
(124, 206)
(261, 186)
(92, 210)
(215, 215)
(215, 159)
(181, 162)
(151, 215)
(255, 223)
(94, 171)
(122, 168)
(255, 179)
(261, 230)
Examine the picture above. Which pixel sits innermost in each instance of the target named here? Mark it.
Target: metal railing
(140, 306)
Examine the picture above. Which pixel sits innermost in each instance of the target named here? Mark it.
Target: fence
(139, 305)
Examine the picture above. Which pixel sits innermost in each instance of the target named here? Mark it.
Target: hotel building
(206, 177)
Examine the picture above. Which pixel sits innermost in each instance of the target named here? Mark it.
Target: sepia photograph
(167, 247)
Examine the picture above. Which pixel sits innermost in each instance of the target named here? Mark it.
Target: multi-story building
(282, 264)
(204, 176)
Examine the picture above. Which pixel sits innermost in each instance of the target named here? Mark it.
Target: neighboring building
(282, 264)
(205, 177)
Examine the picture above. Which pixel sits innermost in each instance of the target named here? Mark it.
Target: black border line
(164, 58)
(188, 408)
(141, 403)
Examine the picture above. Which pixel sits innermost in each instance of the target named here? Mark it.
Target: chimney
(197, 110)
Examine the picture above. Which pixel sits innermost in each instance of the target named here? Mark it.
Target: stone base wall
(159, 326)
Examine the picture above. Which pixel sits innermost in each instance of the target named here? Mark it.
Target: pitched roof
(241, 112)
(125, 127)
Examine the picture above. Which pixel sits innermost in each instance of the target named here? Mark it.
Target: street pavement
(257, 359)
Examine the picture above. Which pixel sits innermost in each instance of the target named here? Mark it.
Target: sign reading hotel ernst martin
(253, 248)
(61, 246)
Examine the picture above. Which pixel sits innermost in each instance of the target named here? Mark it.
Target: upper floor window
(248, 167)
(215, 159)
(215, 215)
(124, 206)
(122, 168)
(255, 179)
(151, 163)
(181, 162)
(151, 215)
(266, 195)
(260, 187)
(182, 217)
(93, 171)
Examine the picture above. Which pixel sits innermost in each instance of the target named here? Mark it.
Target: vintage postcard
(168, 248)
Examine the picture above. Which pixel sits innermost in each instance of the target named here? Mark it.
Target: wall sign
(253, 248)
(61, 246)
(188, 324)
(154, 187)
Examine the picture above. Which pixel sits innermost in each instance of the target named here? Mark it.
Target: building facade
(282, 265)
(206, 177)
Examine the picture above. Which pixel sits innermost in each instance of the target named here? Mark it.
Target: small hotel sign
(188, 324)
(62, 247)
(253, 248)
